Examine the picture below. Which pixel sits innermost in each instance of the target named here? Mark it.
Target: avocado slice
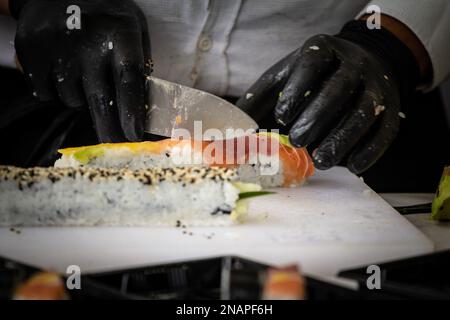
(282, 138)
(85, 155)
(440, 209)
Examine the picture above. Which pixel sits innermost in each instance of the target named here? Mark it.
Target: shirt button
(205, 43)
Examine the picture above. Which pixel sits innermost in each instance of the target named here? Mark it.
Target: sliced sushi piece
(83, 196)
(268, 160)
(42, 286)
(284, 284)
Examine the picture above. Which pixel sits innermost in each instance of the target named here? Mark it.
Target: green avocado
(440, 209)
(284, 139)
(85, 155)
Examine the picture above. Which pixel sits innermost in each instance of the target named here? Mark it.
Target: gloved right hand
(103, 63)
(339, 94)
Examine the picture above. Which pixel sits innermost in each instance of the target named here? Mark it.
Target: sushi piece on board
(265, 159)
(42, 286)
(83, 196)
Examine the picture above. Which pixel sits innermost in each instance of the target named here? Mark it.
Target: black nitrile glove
(340, 94)
(102, 64)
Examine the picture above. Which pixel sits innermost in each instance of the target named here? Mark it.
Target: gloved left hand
(341, 94)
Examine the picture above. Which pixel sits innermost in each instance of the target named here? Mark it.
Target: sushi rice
(82, 196)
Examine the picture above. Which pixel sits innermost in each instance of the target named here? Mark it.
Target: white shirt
(223, 46)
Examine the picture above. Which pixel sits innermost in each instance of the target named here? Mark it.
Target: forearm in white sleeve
(430, 21)
(7, 32)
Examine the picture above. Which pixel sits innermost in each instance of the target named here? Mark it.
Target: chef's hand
(102, 63)
(337, 93)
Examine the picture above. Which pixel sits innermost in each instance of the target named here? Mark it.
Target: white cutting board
(331, 223)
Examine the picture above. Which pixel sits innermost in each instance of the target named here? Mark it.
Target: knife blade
(174, 106)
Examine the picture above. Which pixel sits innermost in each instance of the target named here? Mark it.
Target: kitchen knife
(173, 106)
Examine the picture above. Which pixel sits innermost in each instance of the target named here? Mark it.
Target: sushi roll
(267, 160)
(83, 196)
(42, 286)
(284, 284)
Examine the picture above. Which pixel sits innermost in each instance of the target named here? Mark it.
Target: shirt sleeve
(430, 21)
(7, 33)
